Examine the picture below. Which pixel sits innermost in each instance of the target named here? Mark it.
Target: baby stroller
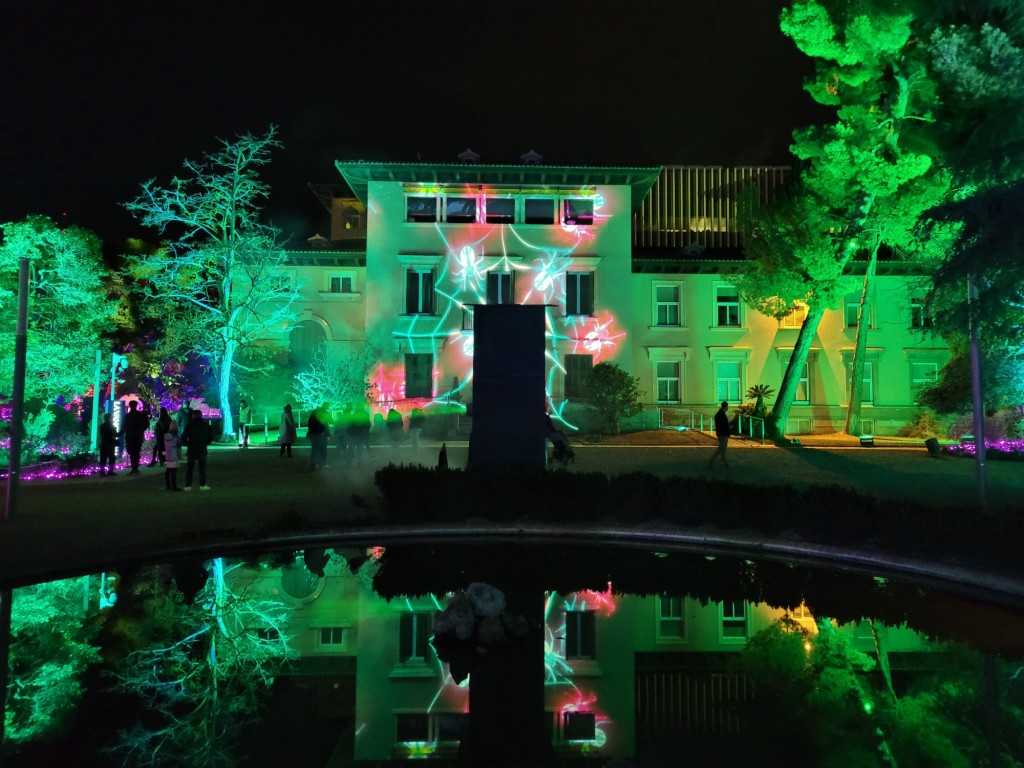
(561, 450)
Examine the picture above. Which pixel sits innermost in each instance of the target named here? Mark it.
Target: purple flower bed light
(56, 471)
(1004, 449)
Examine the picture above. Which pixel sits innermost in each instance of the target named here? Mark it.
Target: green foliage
(757, 393)
(614, 393)
(217, 282)
(926, 424)
(342, 379)
(68, 309)
(1002, 381)
(51, 649)
(201, 669)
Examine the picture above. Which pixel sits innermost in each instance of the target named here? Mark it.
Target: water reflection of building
(632, 263)
(624, 673)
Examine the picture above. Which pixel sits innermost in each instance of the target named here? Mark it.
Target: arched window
(307, 338)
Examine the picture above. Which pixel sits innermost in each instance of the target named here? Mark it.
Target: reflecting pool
(509, 654)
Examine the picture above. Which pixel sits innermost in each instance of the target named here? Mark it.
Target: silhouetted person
(244, 424)
(359, 432)
(172, 455)
(108, 441)
(197, 439)
(722, 433)
(394, 427)
(319, 432)
(134, 431)
(159, 430)
(286, 432)
(416, 421)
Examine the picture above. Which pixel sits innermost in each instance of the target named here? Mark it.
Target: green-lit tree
(873, 169)
(978, 63)
(51, 649)
(218, 283)
(613, 392)
(69, 309)
(796, 255)
(203, 670)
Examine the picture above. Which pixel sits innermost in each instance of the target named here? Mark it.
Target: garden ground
(60, 527)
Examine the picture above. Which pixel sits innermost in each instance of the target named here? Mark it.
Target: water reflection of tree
(816, 690)
(202, 669)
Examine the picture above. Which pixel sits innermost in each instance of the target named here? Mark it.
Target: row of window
(451, 727)
(668, 381)
(668, 309)
(420, 297)
(668, 378)
(667, 306)
(487, 209)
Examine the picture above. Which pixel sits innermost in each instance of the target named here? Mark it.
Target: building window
(499, 210)
(421, 209)
(667, 382)
(919, 317)
(419, 291)
(796, 316)
(499, 288)
(414, 629)
(803, 386)
(580, 638)
(579, 211)
(579, 726)
(867, 389)
(539, 210)
(419, 375)
(671, 620)
(450, 727)
(922, 375)
(332, 637)
(667, 307)
(460, 210)
(728, 380)
(342, 284)
(280, 283)
(852, 305)
(727, 306)
(734, 620)
(412, 727)
(352, 220)
(579, 293)
(577, 369)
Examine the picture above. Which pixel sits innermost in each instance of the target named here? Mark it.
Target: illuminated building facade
(616, 666)
(631, 264)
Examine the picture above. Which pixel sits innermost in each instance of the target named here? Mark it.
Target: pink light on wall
(603, 603)
(597, 336)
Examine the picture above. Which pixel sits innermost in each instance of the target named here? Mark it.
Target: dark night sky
(97, 97)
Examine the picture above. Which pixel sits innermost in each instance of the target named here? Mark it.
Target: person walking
(171, 455)
(134, 431)
(244, 424)
(108, 440)
(286, 432)
(722, 433)
(197, 439)
(318, 432)
(159, 430)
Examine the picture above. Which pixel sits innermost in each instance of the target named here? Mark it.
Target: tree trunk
(791, 378)
(883, 662)
(224, 387)
(859, 349)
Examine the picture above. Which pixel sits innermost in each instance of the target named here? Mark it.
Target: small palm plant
(758, 393)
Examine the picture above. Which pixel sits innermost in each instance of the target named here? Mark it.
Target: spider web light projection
(473, 251)
(559, 672)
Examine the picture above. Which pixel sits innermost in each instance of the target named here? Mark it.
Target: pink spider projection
(390, 384)
(577, 700)
(596, 336)
(600, 602)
